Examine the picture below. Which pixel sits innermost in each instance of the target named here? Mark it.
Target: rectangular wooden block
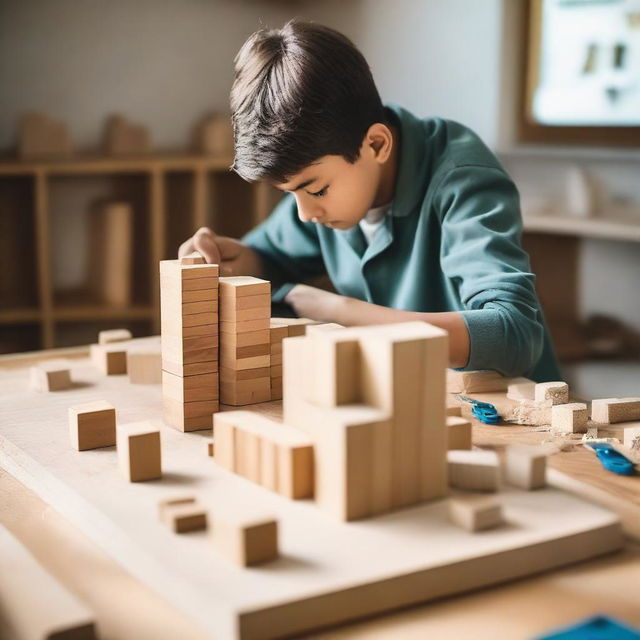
(246, 542)
(526, 466)
(237, 398)
(190, 350)
(246, 326)
(232, 352)
(190, 388)
(569, 418)
(50, 375)
(231, 314)
(458, 433)
(521, 389)
(276, 359)
(200, 306)
(189, 416)
(114, 335)
(191, 369)
(241, 286)
(612, 410)
(475, 513)
(144, 364)
(139, 452)
(173, 270)
(475, 381)
(109, 359)
(557, 392)
(92, 425)
(473, 470)
(237, 375)
(240, 364)
(183, 515)
(176, 288)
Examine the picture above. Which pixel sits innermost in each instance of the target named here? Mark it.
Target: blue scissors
(611, 459)
(483, 411)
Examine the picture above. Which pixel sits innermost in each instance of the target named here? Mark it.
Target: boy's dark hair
(300, 93)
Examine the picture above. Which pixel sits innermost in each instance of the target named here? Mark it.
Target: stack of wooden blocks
(245, 347)
(189, 325)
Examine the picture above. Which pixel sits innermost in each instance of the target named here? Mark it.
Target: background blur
(167, 64)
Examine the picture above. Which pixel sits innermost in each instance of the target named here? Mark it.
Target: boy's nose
(307, 214)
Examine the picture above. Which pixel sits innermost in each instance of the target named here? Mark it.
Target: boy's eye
(320, 193)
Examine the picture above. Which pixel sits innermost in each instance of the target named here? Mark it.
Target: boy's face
(338, 194)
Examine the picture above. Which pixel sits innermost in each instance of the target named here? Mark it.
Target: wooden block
(276, 359)
(631, 437)
(240, 398)
(210, 448)
(261, 301)
(295, 326)
(256, 362)
(231, 314)
(521, 389)
(275, 371)
(191, 369)
(183, 515)
(276, 388)
(139, 453)
(192, 258)
(174, 272)
(526, 466)
(114, 335)
(246, 541)
(188, 350)
(34, 604)
(232, 352)
(246, 339)
(144, 364)
(236, 375)
(125, 138)
(189, 416)
(475, 381)
(475, 513)
(43, 137)
(458, 433)
(50, 375)
(92, 425)
(612, 410)
(200, 306)
(242, 386)
(275, 348)
(569, 418)
(110, 359)
(557, 392)
(214, 136)
(473, 470)
(278, 333)
(530, 412)
(198, 288)
(190, 388)
(323, 328)
(454, 410)
(240, 286)
(245, 326)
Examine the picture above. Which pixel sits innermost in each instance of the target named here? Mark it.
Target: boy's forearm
(357, 312)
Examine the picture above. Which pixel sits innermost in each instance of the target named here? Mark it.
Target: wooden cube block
(190, 388)
(569, 418)
(183, 515)
(41, 137)
(210, 448)
(240, 286)
(526, 466)
(139, 452)
(454, 410)
(144, 364)
(557, 392)
(114, 335)
(125, 138)
(612, 410)
(521, 389)
(92, 425)
(192, 258)
(189, 416)
(50, 375)
(110, 359)
(475, 513)
(458, 433)
(473, 470)
(631, 437)
(246, 541)
(475, 381)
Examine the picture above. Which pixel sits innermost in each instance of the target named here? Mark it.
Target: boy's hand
(232, 256)
(316, 304)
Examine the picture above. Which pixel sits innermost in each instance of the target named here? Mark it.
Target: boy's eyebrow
(303, 184)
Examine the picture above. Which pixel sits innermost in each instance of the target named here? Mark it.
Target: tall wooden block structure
(189, 326)
(373, 401)
(245, 346)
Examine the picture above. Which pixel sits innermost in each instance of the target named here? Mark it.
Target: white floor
(604, 378)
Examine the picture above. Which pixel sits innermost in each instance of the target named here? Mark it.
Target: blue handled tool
(612, 459)
(483, 411)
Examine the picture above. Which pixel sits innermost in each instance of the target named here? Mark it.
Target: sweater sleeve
(289, 247)
(483, 259)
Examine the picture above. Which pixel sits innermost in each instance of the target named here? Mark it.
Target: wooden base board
(328, 572)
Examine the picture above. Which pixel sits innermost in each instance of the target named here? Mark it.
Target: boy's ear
(379, 141)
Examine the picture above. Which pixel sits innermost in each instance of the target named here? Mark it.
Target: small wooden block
(42, 137)
(236, 375)
(125, 138)
(92, 425)
(240, 364)
(458, 433)
(249, 338)
(521, 389)
(475, 381)
(475, 513)
(139, 452)
(245, 326)
(190, 369)
(474, 470)
(210, 448)
(192, 258)
(110, 359)
(189, 416)
(183, 515)
(114, 335)
(144, 364)
(612, 410)
(323, 328)
(454, 410)
(569, 418)
(190, 388)
(557, 392)
(232, 352)
(247, 542)
(631, 438)
(50, 375)
(239, 286)
(526, 466)
(231, 314)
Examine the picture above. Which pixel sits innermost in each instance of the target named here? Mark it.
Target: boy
(412, 219)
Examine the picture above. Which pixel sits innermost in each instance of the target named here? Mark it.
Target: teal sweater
(450, 243)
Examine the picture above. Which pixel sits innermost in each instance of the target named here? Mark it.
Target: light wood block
(34, 604)
(466, 382)
(556, 392)
(455, 411)
(191, 369)
(50, 375)
(214, 136)
(43, 137)
(240, 364)
(526, 466)
(189, 416)
(92, 425)
(474, 470)
(192, 258)
(139, 453)
(144, 364)
(240, 286)
(125, 138)
(210, 448)
(521, 389)
(183, 515)
(248, 541)
(245, 326)
(238, 375)
(569, 418)
(190, 388)
(458, 433)
(612, 410)
(110, 359)
(114, 335)
(475, 512)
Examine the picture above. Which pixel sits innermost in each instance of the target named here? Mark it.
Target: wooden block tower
(189, 325)
(245, 310)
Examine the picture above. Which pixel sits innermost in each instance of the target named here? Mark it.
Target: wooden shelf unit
(180, 193)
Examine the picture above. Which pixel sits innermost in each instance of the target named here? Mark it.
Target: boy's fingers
(185, 248)
(206, 245)
(229, 248)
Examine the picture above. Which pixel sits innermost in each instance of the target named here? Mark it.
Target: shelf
(14, 316)
(96, 312)
(625, 229)
(573, 154)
